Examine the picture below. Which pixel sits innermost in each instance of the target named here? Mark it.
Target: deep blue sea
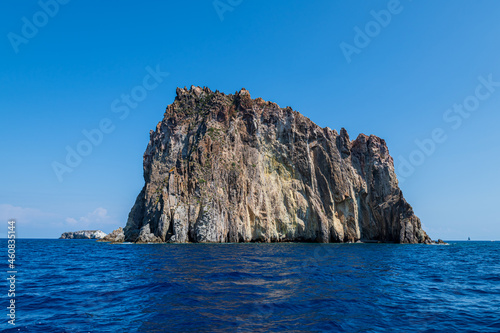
(86, 286)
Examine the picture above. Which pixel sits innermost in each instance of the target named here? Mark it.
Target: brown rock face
(117, 236)
(226, 168)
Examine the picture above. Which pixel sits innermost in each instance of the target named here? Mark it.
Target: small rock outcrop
(83, 234)
(117, 236)
(229, 168)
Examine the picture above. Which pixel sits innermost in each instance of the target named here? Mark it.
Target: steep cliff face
(227, 168)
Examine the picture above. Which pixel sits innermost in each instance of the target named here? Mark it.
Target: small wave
(268, 287)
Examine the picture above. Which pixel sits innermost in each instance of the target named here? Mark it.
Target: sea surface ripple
(86, 286)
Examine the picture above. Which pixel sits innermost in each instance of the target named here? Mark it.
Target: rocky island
(116, 236)
(229, 168)
(83, 234)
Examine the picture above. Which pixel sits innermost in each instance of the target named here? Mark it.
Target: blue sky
(407, 72)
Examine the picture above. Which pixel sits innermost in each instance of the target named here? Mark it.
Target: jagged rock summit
(229, 168)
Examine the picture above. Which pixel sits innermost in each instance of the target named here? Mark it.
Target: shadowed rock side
(226, 168)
